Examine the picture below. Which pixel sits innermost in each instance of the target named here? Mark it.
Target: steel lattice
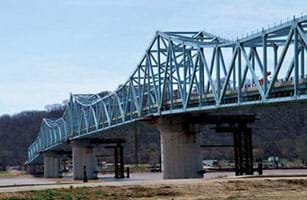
(191, 71)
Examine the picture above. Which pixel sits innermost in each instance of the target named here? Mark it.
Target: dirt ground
(253, 188)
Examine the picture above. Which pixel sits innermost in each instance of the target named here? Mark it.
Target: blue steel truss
(191, 71)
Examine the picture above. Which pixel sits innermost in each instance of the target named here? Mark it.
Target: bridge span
(182, 79)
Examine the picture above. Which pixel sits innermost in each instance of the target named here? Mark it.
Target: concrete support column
(180, 149)
(83, 156)
(51, 165)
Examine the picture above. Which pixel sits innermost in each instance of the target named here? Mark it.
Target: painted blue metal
(190, 71)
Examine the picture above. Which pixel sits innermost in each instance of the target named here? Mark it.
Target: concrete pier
(51, 165)
(83, 157)
(180, 149)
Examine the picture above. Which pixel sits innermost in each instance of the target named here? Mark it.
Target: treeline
(18, 131)
(279, 131)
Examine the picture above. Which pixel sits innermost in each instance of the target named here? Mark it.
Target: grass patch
(88, 193)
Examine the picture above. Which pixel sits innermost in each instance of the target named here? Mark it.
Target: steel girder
(191, 71)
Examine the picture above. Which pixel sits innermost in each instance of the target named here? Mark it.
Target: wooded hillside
(280, 131)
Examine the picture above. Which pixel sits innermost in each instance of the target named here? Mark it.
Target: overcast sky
(49, 48)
